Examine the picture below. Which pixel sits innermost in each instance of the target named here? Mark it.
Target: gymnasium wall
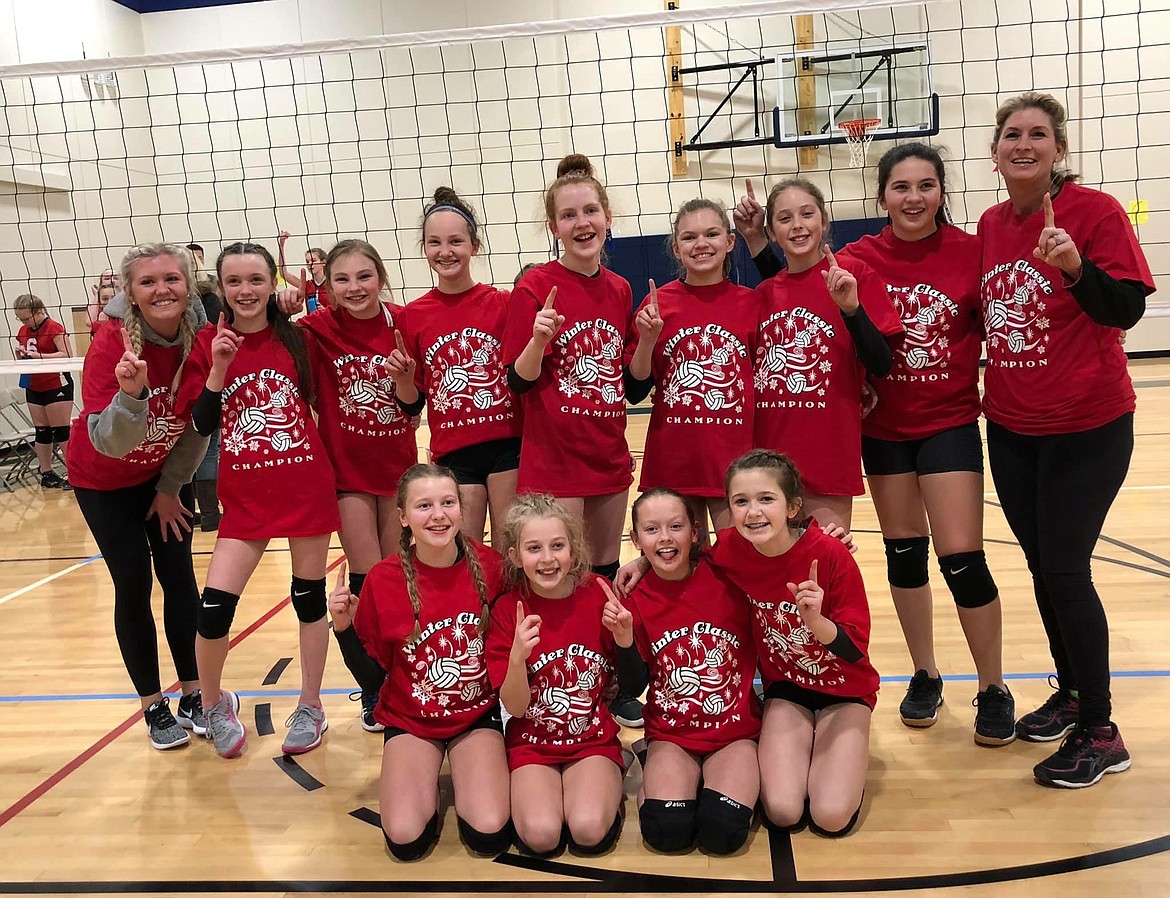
(243, 150)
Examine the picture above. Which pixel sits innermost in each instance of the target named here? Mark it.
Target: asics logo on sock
(960, 570)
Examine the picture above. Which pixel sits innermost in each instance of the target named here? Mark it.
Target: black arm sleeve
(843, 647)
(871, 347)
(365, 670)
(767, 263)
(410, 409)
(205, 415)
(636, 390)
(1106, 300)
(518, 384)
(632, 672)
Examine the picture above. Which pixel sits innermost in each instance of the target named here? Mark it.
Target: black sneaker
(190, 716)
(1085, 756)
(627, 711)
(164, 730)
(995, 716)
(923, 696)
(51, 480)
(369, 701)
(1052, 720)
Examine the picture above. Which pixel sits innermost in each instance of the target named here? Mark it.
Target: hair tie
(442, 207)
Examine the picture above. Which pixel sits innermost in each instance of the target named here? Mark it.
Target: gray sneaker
(162, 727)
(190, 716)
(224, 727)
(305, 726)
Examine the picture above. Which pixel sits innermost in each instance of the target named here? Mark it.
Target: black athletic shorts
(473, 464)
(63, 393)
(489, 721)
(957, 449)
(808, 698)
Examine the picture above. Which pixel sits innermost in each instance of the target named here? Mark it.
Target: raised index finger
(812, 571)
(548, 303)
(1049, 215)
(398, 341)
(751, 191)
(129, 346)
(519, 613)
(829, 255)
(341, 574)
(653, 295)
(609, 593)
(221, 325)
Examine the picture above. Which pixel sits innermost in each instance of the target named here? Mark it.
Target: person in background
(50, 394)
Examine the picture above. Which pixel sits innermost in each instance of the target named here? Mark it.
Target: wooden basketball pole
(806, 90)
(675, 102)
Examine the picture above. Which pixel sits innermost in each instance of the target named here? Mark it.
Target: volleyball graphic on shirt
(366, 395)
(566, 692)
(261, 420)
(466, 372)
(696, 675)
(928, 315)
(1015, 313)
(587, 362)
(447, 667)
(706, 368)
(792, 356)
(785, 637)
(163, 429)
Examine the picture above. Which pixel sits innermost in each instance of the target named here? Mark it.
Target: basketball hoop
(858, 134)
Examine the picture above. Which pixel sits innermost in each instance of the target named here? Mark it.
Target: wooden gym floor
(87, 806)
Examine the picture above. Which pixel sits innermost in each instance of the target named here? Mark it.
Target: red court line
(36, 792)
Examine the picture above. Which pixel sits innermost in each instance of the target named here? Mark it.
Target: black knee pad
(723, 822)
(356, 582)
(968, 579)
(43, 435)
(308, 599)
(412, 851)
(216, 611)
(485, 843)
(61, 434)
(608, 571)
(837, 833)
(908, 561)
(668, 825)
(796, 827)
(606, 843)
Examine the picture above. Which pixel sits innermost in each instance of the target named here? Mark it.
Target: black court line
(783, 860)
(264, 725)
(277, 669)
(604, 881)
(366, 815)
(298, 774)
(1145, 554)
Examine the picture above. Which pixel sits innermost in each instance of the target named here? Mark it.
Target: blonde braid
(477, 578)
(133, 323)
(187, 333)
(411, 581)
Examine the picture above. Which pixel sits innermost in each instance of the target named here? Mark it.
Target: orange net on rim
(858, 134)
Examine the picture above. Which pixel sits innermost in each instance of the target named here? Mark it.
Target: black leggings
(127, 541)
(1056, 491)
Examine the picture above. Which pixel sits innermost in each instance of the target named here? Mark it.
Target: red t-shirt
(788, 649)
(1050, 367)
(38, 340)
(457, 341)
(808, 377)
(696, 636)
(370, 442)
(704, 398)
(274, 476)
(575, 414)
(934, 284)
(568, 673)
(90, 469)
(436, 686)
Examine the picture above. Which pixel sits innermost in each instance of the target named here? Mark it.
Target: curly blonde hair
(534, 506)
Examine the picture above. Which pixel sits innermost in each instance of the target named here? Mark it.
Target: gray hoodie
(121, 428)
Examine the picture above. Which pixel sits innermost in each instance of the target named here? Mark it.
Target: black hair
(926, 153)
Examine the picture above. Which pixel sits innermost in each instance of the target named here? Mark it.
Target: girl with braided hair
(133, 451)
(423, 617)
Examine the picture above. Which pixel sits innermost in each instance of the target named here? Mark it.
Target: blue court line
(282, 693)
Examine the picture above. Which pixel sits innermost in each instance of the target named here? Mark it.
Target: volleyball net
(349, 138)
